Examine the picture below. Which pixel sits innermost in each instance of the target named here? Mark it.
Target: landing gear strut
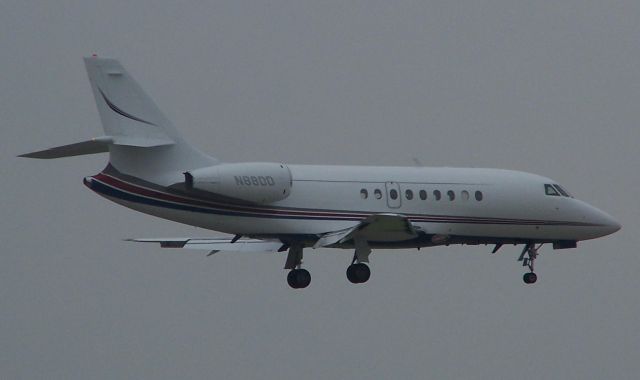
(531, 251)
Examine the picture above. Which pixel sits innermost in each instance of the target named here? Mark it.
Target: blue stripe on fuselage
(113, 192)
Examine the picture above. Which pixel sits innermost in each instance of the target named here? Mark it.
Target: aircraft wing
(214, 245)
(377, 227)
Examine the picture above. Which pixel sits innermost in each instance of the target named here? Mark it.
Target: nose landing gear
(531, 251)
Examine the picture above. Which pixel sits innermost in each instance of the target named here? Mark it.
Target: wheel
(299, 278)
(303, 278)
(351, 276)
(358, 273)
(530, 278)
(291, 279)
(363, 272)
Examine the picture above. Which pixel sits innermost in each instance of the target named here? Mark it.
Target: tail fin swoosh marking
(121, 112)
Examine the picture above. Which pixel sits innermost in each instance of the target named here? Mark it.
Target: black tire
(530, 278)
(533, 278)
(291, 279)
(303, 278)
(363, 273)
(358, 273)
(351, 275)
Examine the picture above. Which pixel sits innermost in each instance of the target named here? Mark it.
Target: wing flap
(216, 244)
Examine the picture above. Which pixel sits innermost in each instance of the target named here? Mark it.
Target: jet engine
(257, 182)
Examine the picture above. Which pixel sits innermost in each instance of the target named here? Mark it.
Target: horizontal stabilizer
(96, 145)
(216, 244)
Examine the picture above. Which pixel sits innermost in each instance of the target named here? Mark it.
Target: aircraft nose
(606, 223)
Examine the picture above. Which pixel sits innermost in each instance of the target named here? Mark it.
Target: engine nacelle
(258, 182)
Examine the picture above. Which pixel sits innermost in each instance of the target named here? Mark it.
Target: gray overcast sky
(550, 87)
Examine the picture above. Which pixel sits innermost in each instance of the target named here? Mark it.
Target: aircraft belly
(534, 232)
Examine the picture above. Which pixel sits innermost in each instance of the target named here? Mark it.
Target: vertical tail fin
(125, 110)
(144, 140)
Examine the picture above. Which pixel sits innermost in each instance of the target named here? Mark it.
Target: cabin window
(408, 194)
(377, 193)
(364, 194)
(393, 193)
(479, 196)
(464, 195)
(451, 195)
(437, 194)
(550, 190)
(423, 195)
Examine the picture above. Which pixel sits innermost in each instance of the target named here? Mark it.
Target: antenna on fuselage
(417, 162)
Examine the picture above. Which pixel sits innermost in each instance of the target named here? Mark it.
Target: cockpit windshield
(556, 190)
(562, 191)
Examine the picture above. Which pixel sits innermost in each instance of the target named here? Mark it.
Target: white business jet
(276, 207)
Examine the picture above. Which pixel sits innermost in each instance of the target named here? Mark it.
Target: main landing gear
(358, 272)
(297, 278)
(531, 251)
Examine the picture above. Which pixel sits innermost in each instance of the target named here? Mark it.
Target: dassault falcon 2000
(276, 207)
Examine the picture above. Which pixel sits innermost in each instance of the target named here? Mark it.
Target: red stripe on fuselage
(150, 193)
